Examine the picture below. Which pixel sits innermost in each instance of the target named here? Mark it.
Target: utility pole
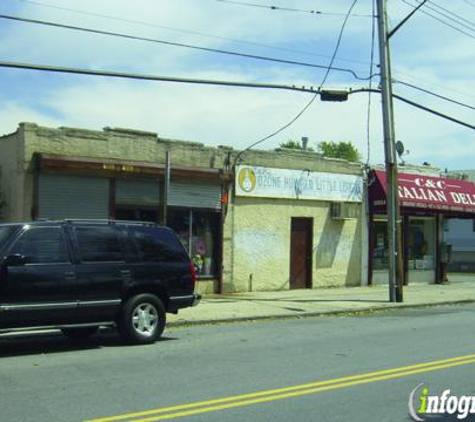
(166, 188)
(394, 223)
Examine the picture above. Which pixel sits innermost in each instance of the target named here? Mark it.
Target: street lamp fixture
(334, 95)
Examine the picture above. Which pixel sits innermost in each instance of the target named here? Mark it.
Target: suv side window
(42, 245)
(99, 244)
(158, 244)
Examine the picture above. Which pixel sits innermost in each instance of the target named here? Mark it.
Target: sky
(432, 53)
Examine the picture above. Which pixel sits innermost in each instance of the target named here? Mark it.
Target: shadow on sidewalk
(305, 300)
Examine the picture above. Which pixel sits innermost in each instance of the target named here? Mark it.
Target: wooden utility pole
(394, 221)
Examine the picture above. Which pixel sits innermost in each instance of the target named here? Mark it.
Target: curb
(360, 311)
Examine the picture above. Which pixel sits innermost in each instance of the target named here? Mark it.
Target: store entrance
(301, 253)
(420, 249)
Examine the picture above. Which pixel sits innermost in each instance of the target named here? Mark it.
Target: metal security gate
(61, 196)
(195, 194)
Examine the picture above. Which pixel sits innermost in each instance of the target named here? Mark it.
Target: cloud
(422, 53)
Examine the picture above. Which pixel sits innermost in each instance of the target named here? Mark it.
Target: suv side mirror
(15, 260)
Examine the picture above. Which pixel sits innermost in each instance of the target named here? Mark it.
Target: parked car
(78, 275)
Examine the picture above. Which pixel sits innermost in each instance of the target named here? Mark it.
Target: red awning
(423, 192)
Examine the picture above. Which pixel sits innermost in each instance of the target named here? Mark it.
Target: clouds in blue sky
(425, 53)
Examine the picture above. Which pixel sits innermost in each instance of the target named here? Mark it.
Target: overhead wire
(124, 75)
(442, 97)
(469, 3)
(288, 9)
(203, 34)
(312, 100)
(184, 31)
(177, 44)
(441, 21)
(456, 15)
(450, 15)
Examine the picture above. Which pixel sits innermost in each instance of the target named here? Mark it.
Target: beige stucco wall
(257, 245)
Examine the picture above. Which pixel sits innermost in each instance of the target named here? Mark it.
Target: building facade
(427, 201)
(253, 220)
(460, 233)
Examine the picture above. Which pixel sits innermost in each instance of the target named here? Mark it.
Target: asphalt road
(352, 368)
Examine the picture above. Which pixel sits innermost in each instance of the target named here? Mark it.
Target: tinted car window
(99, 243)
(157, 244)
(42, 245)
(5, 233)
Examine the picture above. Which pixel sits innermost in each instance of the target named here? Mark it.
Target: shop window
(198, 231)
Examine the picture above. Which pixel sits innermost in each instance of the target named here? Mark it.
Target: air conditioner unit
(344, 210)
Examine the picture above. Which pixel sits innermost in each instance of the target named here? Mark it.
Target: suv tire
(142, 319)
(80, 333)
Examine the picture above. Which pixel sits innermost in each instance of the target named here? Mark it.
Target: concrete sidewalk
(314, 302)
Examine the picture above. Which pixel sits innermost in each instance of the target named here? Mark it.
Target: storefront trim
(60, 162)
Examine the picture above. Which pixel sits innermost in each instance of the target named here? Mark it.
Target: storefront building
(425, 200)
(264, 220)
(296, 228)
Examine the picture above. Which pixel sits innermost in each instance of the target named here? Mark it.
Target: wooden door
(301, 253)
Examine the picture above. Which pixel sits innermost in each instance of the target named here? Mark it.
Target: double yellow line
(287, 392)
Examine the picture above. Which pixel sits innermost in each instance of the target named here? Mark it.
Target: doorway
(301, 240)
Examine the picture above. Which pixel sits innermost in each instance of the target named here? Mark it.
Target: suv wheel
(142, 319)
(80, 333)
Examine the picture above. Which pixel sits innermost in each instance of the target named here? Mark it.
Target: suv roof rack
(108, 221)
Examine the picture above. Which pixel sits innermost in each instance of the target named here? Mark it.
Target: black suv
(81, 274)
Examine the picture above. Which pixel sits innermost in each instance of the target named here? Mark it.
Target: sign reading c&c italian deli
(269, 182)
(431, 192)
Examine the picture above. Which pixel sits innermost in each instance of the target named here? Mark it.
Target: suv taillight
(193, 274)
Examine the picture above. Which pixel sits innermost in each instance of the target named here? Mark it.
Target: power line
(432, 111)
(469, 3)
(420, 80)
(312, 100)
(441, 21)
(420, 106)
(434, 94)
(185, 31)
(176, 44)
(135, 76)
(450, 16)
(124, 75)
(288, 9)
(457, 16)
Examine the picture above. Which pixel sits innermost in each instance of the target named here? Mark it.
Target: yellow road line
(287, 392)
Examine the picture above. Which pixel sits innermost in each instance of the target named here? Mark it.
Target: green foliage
(344, 150)
(291, 144)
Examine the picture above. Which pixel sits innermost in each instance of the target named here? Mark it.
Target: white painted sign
(297, 184)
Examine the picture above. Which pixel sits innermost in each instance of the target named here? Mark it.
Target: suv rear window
(99, 244)
(158, 244)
